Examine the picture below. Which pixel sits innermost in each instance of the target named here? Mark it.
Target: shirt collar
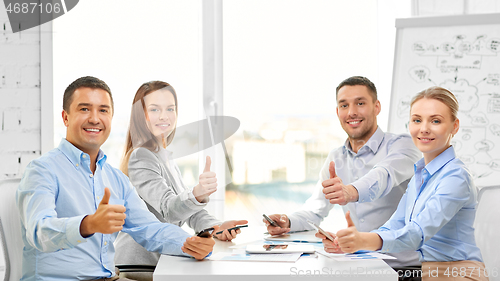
(437, 163)
(165, 154)
(74, 154)
(373, 143)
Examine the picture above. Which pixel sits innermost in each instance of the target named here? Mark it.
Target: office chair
(487, 227)
(136, 271)
(10, 230)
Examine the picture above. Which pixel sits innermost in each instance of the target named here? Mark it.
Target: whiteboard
(461, 54)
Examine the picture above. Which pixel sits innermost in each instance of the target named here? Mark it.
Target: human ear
(65, 118)
(456, 126)
(378, 107)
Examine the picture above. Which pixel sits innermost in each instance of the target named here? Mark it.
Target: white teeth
(354, 122)
(92, 130)
(164, 125)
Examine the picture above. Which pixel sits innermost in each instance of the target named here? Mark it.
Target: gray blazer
(164, 198)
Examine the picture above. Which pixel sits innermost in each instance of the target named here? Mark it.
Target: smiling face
(161, 114)
(88, 119)
(431, 127)
(357, 113)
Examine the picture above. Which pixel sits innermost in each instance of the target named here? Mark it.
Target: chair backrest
(487, 225)
(11, 226)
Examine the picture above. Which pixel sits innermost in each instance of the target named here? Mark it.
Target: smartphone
(232, 228)
(206, 232)
(320, 230)
(273, 223)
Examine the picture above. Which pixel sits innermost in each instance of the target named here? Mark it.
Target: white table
(180, 268)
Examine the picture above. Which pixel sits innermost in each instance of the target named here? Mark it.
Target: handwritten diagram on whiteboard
(465, 60)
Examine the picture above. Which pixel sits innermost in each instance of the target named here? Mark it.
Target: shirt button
(91, 175)
(356, 178)
(98, 197)
(79, 241)
(105, 243)
(84, 156)
(77, 164)
(362, 220)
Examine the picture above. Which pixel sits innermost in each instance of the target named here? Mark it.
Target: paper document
(357, 256)
(226, 256)
(295, 237)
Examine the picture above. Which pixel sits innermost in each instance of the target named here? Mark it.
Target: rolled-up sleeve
(394, 169)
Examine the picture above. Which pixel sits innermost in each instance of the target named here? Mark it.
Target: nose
(163, 115)
(424, 128)
(94, 117)
(352, 111)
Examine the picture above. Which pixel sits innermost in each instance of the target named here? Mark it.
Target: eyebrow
(153, 104)
(435, 115)
(356, 99)
(90, 105)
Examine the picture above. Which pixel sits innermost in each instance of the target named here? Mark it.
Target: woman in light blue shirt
(436, 214)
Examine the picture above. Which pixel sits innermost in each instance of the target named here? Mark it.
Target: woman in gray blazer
(157, 178)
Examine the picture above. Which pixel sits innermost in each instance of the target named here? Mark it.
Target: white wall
(20, 97)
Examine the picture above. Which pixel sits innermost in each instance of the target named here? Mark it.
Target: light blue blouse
(436, 214)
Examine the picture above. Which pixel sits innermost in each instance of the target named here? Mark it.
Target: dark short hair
(84, 82)
(358, 80)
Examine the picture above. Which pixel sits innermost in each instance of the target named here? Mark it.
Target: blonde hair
(138, 134)
(441, 94)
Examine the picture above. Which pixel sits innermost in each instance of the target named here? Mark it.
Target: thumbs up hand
(207, 183)
(335, 191)
(350, 239)
(107, 219)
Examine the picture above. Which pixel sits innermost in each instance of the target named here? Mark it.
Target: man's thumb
(105, 197)
(207, 165)
(332, 170)
(348, 219)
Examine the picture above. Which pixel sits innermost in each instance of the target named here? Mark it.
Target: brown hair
(361, 81)
(84, 82)
(138, 134)
(441, 94)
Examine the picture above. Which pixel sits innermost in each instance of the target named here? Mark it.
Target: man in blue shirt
(73, 204)
(368, 175)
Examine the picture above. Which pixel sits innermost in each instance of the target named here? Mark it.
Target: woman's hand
(207, 184)
(226, 235)
(351, 240)
(329, 245)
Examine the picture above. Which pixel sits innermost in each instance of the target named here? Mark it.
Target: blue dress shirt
(56, 192)
(436, 214)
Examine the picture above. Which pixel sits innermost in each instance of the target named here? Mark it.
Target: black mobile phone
(206, 232)
(232, 228)
(273, 223)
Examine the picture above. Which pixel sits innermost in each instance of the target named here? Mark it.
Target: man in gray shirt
(368, 175)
